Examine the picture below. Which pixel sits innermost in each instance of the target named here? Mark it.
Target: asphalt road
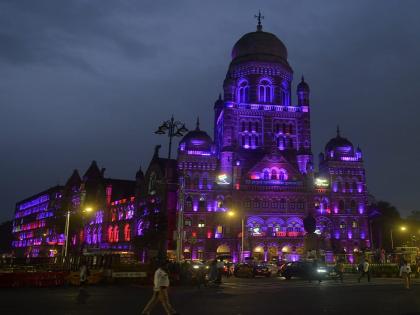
(233, 297)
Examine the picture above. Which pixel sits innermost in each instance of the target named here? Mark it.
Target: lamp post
(402, 228)
(66, 231)
(232, 214)
(173, 128)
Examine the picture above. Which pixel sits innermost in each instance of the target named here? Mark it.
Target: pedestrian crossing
(280, 283)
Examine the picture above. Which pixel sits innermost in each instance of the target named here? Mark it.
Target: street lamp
(173, 129)
(232, 214)
(402, 228)
(67, 227)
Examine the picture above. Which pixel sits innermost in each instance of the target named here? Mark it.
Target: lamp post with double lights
(173, 128)
(232, 214)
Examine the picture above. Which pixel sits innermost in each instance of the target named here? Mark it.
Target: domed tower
(197, 163)
(342, 170)
(258, 114)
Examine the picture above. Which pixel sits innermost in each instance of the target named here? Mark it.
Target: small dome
(197, 140)
(340, 144)
(303, 86)
(259, 45)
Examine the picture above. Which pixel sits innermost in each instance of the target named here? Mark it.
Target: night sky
(91, 80)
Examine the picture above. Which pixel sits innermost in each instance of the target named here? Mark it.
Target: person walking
(160, 291)
(405, 272)
(220, 268)
(365, 270)
(339, 268)
(84, 273)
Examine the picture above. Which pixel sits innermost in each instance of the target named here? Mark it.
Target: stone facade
(259, 168)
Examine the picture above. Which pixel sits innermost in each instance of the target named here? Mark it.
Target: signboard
(223, 179)
(130, 274)
(273, 182)
(321, 182)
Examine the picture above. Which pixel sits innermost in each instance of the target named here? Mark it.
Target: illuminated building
(260, 166)
(38, 225)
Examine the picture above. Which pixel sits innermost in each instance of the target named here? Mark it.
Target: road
(233, 297)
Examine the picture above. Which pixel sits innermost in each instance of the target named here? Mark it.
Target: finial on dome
(197, 126)
(338, 131)
(259, 17)
(303, 78)
(220, 96)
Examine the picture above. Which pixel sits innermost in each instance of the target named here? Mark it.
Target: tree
(384, 217)
(6, 237)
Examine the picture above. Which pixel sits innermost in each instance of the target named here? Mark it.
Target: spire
(338, 131)
(303, 79)
(259, 17)
(197, 125)
(220, 97)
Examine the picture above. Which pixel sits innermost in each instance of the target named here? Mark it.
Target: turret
(303, 93)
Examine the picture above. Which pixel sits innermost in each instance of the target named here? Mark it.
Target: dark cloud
(85, 80)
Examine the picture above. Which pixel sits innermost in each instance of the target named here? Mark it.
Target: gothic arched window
(116, 234)
(265, 90)
(243, 92)
(127, 232)
(110, 235)
(188, 203)
(266, 175)
(274, 174)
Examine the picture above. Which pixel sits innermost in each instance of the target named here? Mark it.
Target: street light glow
(88, 209)
(403, 228)
(231, 213)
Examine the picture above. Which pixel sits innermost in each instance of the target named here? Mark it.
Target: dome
(259, 45)
(339, 143)
(196, 140)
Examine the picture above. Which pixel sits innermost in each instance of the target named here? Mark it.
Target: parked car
(244, 270)
(262, 270)
(305, 270)
(251, 270)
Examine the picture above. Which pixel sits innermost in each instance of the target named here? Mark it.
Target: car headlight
(196, 267)
(321, 270)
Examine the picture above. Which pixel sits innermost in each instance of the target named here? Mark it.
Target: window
(140, 228)
(291, 129)
(116, 234)
(354, 224)
(188, 203)
(204, 183)
(187, 222)
(273, 174)
(243, 92)
(127, 232)
(341, 205)
(342, 225)
(201, 224)
(353, 205)
(282, 203)
(266, 175)
(196, 181)
(110, 235)
(202, 203)
(282, 175)
(265, 91)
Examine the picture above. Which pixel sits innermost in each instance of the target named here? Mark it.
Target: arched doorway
(223, 249)
(258, 253)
